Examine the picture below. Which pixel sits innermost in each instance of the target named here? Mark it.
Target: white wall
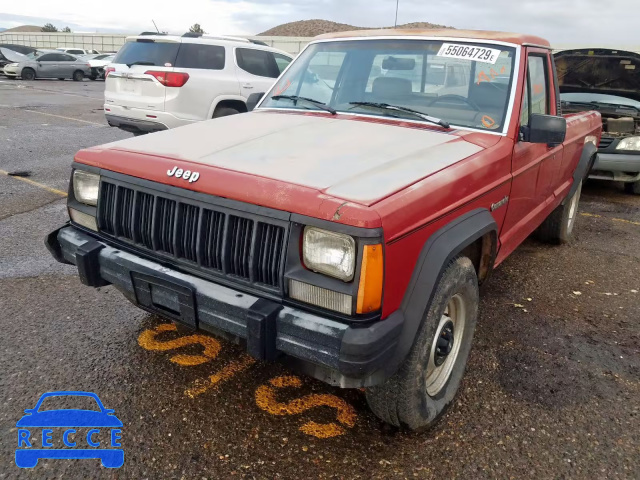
(109, 43)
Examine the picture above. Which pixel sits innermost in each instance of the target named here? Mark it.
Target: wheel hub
(444, 344)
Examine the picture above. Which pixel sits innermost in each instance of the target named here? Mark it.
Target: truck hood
(342, 157)
(597, 70)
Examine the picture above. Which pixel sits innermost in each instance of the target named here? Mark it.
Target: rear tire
(428, 380)
(224, 112)
(558, 227)
(78, 76)
(28, 74)
(633, 188)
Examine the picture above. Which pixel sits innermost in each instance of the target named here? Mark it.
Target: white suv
(78, 51)
(159, 81)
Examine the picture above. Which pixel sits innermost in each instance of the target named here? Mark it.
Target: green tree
(66, 30)
(196, 28)
(49, 28)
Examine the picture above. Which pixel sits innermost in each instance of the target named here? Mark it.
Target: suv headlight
(85, 187)
(330, 253)
(631, 143)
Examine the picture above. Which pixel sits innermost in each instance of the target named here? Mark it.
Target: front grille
(605, 142)
(217, 240)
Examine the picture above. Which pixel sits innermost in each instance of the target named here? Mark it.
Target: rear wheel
(28, 74)
(78, 76)
(428, 380)
(224, 112)
(558, 227)
(633, 187)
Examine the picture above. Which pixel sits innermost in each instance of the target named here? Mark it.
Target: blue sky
(614, 22)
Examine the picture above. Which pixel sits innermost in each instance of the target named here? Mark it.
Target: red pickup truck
(344, 225)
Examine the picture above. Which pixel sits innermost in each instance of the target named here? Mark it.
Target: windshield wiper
(140, 63)
(386, 106)
(617, 105)
(317, 103)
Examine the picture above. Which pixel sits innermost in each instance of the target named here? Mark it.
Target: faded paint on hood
(353, 160)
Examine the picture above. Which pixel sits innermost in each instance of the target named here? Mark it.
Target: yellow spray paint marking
(625, 221)
(148, 341)
(227, 372)
(266, 400)
(593, 215)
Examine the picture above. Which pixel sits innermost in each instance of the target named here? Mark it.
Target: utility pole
(397, 5)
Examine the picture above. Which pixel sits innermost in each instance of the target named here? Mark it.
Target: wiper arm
(386, 106)
(317, 103)
(140, 63)
(617, 105)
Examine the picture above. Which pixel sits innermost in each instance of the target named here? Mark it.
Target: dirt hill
(311, 28)
(24, 28)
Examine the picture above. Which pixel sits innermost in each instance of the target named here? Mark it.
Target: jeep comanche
(344, 225)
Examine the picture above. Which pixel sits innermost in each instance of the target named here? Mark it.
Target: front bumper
(10, 71)
(326, 349)
(624, 167)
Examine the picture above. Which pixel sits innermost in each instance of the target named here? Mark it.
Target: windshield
(462, 83)
(599, 98)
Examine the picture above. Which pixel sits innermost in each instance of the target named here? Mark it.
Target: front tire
(633, 188)
(558, 227)
(428, 380)
(28, 74)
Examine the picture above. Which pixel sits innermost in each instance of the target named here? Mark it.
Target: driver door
(47, 66)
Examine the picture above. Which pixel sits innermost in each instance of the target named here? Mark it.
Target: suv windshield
(462, 83)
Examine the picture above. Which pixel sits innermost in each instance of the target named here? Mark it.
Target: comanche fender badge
(501, 203)
(184, 174)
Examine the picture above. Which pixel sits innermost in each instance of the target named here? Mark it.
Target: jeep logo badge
(184, 174)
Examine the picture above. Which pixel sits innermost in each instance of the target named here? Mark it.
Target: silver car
(50, 64)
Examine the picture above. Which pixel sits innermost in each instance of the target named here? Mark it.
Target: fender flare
(442, 247)
(583, 168)
(222, 98)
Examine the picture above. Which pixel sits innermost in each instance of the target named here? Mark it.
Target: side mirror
(547, 129)
(253, 100)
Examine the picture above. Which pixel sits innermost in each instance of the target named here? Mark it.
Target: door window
(536, 96)
(257, 62)
(195, 55)
(50, 57)
(282, 61)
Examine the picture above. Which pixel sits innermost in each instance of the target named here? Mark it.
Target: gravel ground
(552, 388)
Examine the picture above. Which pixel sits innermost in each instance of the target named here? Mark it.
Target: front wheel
(78, 76)
(558, 227)
(28, 74)
(633, 188)
(428, 380)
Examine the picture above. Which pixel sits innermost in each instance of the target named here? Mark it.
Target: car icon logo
(69, 433)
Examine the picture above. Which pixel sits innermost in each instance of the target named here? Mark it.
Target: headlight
(631, 143)
(85, 187)
(333, 254)
(12, 65)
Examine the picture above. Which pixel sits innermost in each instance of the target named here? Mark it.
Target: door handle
(247, 85)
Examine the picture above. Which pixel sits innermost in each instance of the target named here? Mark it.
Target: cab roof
(515, 38)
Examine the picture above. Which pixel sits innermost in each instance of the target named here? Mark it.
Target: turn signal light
(169, 79)
(371, 278)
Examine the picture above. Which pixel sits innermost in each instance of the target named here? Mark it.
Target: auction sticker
(469, 52)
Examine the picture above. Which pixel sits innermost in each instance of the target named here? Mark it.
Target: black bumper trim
(133, 125)
(321, 347)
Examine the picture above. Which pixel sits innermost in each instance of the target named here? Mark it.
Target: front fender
(442, 247)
